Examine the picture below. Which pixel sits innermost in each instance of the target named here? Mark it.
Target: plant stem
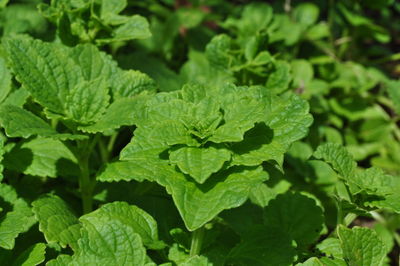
(197, 241)
(349, 218)
(86, 185)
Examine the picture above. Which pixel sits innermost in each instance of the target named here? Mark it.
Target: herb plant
(199, 133)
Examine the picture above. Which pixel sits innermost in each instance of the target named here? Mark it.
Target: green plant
(199, 133)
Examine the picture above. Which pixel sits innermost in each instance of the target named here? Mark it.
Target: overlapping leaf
(13, 221)
(361, 246)
(113, 235)
(79, 83)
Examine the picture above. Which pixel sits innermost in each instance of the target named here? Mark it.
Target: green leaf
(108, 242)
(93, 63)
(140, 221)
(199, 163)
(110, 10)
(361, 246)
(42, 157)
(303, 73)
(217, 52)
(279, 79)
(199, 204)
(136, 27)
(306, 14)
(56, 220)
(18, 122)
(5, 80)
(41, 65)
(374, 181)
(61, 260)
(122, 112)
(17, 97)
(16, 221)
(393, 88)
(331, 247)
(151, 141)
(313, 261)
(196, 261)
(130, 83)
(254, 19)
(1, 159)
(286, 121)
(298, 215)
(88, 101)
(240, 114)
(338, 157)
(264, 246)
(125, 170)
(34, 255)
(22, 17)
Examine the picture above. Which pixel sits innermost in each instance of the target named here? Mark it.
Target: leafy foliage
(167, 132)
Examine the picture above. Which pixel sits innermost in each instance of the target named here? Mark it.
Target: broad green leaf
(217, 52)
(16, 221)
(93, 63)
(313, 261)
(111, 8)
(122, 112)
(17, 97)
(125, 170)
(306, 14)
(302, 72)
(197, 69)
(279, 79)
(333, 262)
(374, 181)
(199, 204)
(257, 146)
(5, 80)
(151, 141)
(136, 27)
(361, 246)
(41, 65)
(130, 83)
(199, 163)
(254, 19)
(22, 17)
(88, 101)
(175, 109)
(393, 88)
(324, 261)
(331, 247)
(19, 122)
(42, 157)
(105, 243)
(32, 256)
(240, 115)
(140, 221)
(337, 156)
(56, 220)
(1, 158)
(383, 189)
(196, 261)
(264, 246)
(297, 215)
(108, 242)
(61, 260)
(286, 121)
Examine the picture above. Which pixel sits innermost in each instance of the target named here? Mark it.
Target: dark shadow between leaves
(253, 139)
(65, 167)
(219, 177)
(18, 159)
